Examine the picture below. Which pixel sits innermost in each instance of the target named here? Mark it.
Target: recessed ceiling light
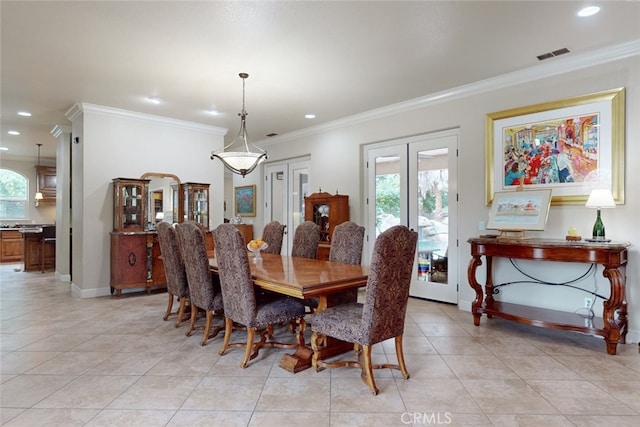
(13, 132)
(310, 116)
(213, 112)
(154, 100)
(4, 149)
(588, 11)
(24, 113)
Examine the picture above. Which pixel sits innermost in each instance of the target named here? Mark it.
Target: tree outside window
(13, 195)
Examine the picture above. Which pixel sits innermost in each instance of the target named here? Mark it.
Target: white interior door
(413, 182)
(286, 184)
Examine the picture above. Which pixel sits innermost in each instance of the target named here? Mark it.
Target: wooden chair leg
(400, 356)
(228, 327)
(207, 327)
(192, 323)
(367, 369)
(251, 333)
(169, 307)
(181, 311)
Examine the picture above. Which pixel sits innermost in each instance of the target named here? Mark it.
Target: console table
(612, 256)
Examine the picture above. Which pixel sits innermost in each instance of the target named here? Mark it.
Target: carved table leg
(476, 306)
(610, 307)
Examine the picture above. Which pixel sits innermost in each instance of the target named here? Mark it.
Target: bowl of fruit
(255, 246)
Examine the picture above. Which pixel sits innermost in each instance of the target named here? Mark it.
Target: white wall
(467, 112)
(116, 143)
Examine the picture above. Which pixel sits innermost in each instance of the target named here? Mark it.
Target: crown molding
(556, 66)
(83, 107)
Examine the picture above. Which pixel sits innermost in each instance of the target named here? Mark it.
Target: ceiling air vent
(552, 54)
(269, 135)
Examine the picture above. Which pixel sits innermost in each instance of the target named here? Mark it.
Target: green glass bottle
(598, 228)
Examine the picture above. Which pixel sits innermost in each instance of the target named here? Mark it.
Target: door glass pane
(433, 215)
(387, 192)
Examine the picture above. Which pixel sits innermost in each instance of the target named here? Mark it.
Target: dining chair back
(175, 273)
(242, 306)
(272, 234)
(346, 247)
(202, 289)
(382, 315)
(47, 238)
(305, 240)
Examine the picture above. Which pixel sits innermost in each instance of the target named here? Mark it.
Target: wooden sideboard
(612, 256)
(136, 262)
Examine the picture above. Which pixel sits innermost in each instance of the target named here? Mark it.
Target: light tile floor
(113, 361)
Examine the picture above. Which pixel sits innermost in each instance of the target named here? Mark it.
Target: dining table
(304, 278)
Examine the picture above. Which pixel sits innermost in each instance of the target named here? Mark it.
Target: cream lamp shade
(601, 198)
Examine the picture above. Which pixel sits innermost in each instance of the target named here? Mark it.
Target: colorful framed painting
(519, 210)
(570, 146)
(245, 200)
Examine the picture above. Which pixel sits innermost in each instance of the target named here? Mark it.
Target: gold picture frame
(245, 200)
(570, 146)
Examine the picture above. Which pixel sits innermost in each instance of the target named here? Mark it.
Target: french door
(413, 181)
(286, 184)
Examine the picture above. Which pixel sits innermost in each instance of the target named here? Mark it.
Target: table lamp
(600, 198)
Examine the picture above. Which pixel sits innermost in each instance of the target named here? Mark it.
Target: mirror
(163, 198)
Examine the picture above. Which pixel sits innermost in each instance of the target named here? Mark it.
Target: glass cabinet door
(129, 199)
(196, 203)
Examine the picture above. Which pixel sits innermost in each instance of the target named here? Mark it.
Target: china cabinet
(327, 211)
(196, 203)
(129, 204)
(135, 250)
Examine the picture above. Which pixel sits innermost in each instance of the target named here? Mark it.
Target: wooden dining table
(305, 278)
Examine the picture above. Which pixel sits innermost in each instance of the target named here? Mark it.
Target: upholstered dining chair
(346, 247)
(243, 306)
(305, 240)
(177, 284)
(203, 294)
(272, 234)
(381, 316)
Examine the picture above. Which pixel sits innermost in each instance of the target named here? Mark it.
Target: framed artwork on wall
(245, 200)
(519, 210)
(571, 146)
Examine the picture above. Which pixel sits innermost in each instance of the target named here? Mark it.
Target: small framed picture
(245, 200)
(519, 210)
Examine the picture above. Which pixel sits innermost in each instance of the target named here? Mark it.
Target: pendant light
(38, 193)
(238, 156)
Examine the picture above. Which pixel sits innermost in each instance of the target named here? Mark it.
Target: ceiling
(333, 59)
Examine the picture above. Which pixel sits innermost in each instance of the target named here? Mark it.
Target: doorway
(413, 181)
(286, 185)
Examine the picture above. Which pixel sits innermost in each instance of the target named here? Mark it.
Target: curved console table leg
(476, 306)
(614, 305)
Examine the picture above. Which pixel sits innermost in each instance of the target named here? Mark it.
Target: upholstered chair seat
(203, 291)
(241, 306)
(175, 273)
(381, 316)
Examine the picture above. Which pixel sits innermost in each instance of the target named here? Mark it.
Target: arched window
(13, 195)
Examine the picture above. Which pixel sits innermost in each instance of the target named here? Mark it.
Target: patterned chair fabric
(272, 235)
(346, 243)
(305, 240)
(382, 315)
(203, 294)
(240, 302)
(346, 247)
(177, 285)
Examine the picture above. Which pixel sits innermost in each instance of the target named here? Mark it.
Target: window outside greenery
(13, 195)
